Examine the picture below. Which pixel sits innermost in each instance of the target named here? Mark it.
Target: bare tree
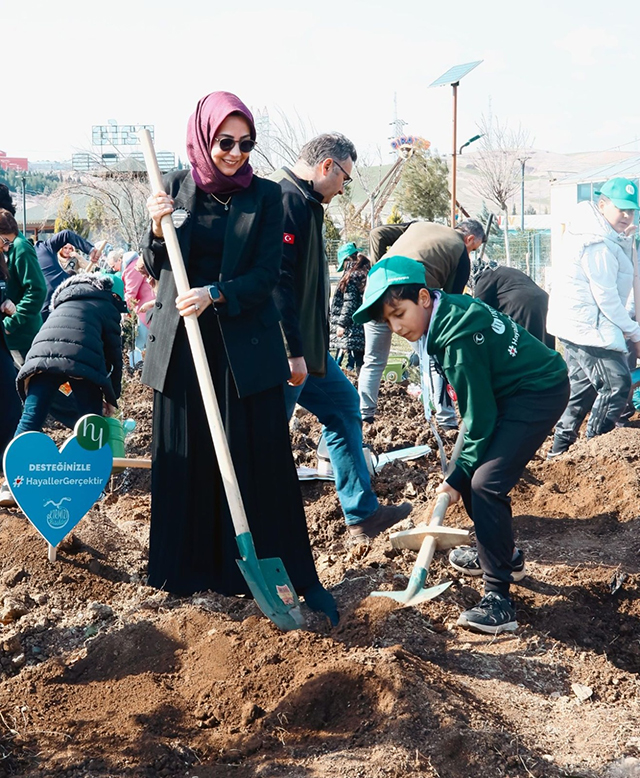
(119, 197)
(279, 141)
(498, 163)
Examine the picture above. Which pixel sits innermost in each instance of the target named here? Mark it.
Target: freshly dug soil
(104, 676)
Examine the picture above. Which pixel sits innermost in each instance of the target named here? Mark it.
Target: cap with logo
(118, 283)
(622, 193)
(344, 252)
(390, 271)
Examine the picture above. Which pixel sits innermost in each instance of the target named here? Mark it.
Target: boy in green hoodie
(510, 389)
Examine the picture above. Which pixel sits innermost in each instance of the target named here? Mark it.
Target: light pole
(522, 162)
(24, 206)
(470, 141)
(452, 78)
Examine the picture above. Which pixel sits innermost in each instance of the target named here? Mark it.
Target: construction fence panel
(530, 252)
(331, 249)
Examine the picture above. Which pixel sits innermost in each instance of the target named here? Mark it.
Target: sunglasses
(347, 178)
(226, 144)
(6, 243)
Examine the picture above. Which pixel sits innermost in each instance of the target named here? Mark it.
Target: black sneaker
(383, 518)
(465, 560)
(559, 447)
(493, 614)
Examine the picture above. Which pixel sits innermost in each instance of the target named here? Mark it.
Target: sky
(563, 71)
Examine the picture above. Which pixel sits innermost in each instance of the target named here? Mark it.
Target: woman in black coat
(347, 337)
(229, 225)
(80, 343)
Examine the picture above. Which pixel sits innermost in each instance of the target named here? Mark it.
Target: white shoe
(7, 500)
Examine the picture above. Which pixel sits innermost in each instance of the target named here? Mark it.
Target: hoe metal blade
(407, 599)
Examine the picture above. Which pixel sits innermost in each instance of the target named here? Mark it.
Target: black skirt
(192, 544)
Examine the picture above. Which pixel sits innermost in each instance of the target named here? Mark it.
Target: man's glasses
(226, 144)
(6, 243)
(347, 178)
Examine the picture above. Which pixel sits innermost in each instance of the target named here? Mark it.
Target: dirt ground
(104, 676)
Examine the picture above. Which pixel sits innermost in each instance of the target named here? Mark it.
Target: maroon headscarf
(210, 112)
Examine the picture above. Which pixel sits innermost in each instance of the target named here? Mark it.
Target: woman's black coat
(249, 320)
(81, 337)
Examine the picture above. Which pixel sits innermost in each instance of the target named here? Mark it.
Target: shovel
(431, 536)
(267, 578)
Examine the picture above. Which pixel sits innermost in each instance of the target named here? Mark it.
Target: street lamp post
(454, 165)
(470, 141)
(522, 163)
(24, 205)
(452, 78)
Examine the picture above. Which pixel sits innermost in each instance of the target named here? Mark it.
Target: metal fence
(530, 252)
(331, 247)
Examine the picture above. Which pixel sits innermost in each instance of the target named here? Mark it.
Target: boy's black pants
(524, 421)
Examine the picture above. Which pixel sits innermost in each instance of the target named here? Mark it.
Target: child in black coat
(347, 337)
(79, 344)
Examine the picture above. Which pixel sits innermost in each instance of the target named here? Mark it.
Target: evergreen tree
(68, 219)
(331, 232)
(353, 226)
(35, 183)
(395, 217)
(495, 242)
(96, 215)
(424, 191)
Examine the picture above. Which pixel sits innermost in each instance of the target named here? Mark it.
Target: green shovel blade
(270, 586)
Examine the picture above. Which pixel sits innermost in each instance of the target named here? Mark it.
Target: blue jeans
(142, 333)
(376, 354)
(600, 382)
(43, 390)
(334, 401)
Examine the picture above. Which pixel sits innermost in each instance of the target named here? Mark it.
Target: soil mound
(104, 676)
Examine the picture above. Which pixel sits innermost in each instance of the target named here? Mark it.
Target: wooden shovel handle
(636, 280)
(225, 463)
(99, 248)
(144, 464)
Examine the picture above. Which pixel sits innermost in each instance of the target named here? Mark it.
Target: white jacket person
(592, 279)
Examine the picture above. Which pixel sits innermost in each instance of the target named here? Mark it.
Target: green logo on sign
(92, 432)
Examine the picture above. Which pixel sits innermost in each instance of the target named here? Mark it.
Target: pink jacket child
(136, 287)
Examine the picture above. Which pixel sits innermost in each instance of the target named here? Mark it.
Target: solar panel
(454, 74)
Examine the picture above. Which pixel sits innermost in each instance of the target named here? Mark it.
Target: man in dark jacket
(302, 295)
(47, 252)
(445, 254)
(511, 291)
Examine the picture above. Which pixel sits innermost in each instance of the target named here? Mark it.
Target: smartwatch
(214, 292)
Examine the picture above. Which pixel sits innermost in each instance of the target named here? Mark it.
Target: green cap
(344, 252)
(622, 193)
(390, 271)
(118, 283)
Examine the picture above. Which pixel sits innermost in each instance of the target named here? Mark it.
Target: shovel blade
(270, 586)
(408, 599)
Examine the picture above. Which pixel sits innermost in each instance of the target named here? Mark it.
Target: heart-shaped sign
(55, 488)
